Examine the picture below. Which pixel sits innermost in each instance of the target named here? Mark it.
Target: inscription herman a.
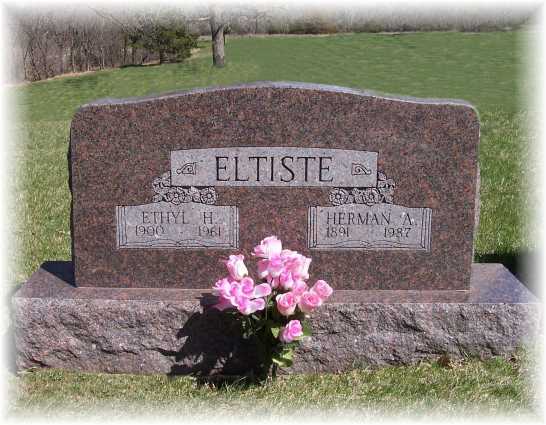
(273, 166)
(164, 225)
(381, 226)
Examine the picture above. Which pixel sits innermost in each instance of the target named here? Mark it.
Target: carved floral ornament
(179, 195)
(382, 193)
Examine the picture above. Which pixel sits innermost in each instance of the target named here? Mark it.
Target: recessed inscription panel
(163, 225)
(377, 227)
(273, 166)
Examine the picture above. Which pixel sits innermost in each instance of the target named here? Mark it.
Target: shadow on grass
(521, 264)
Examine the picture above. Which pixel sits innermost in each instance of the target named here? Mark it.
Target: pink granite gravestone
(380, 192)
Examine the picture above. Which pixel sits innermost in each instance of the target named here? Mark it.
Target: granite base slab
(175, 331)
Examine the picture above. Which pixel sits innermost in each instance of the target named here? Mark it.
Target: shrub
(168, 39)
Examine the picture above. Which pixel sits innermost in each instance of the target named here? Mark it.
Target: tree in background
(166, 37)
(217, 29)
(218, 24)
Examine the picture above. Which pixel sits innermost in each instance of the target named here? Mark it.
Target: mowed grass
(474, 388)
(481, 68)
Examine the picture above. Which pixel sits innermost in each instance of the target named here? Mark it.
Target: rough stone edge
(128, 337)
(181, 337)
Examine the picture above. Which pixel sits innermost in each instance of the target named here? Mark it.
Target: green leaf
(275, 330)
(306, 327)
(284, 359)
(288, 354)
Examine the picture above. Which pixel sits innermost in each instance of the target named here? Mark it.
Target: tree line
(47, 43)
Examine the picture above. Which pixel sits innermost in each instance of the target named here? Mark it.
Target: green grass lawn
(481, 68)
(474, 388)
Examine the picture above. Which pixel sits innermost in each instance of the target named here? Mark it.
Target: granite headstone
(380, 192)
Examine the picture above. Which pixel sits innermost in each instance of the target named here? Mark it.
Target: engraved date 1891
(337, 231)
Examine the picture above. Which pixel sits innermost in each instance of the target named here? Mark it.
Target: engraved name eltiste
(273, 166)
(165, 225)
(380, 226)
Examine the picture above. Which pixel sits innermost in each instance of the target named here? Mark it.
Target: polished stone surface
(155, 330)
(490, 283)
(426, 150)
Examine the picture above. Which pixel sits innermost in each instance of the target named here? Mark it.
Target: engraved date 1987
(397, 232)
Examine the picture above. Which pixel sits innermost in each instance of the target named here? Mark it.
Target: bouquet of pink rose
(274, 311)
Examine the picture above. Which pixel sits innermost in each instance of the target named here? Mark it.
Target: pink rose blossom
(299, 288)
(291, 331)
(282, 270)
(262, 290)
(246, 286)
(288, 254)
(243, 295)
(223, 303)
(309, 301)
(222, 288)
(296, 264)
(247, 306)
(322, 289)
(236, 267)
(285, 280)
(227, 292)
(262, 269)
(303, 268)
(275, 266)
(286, 303)
(268, 247)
